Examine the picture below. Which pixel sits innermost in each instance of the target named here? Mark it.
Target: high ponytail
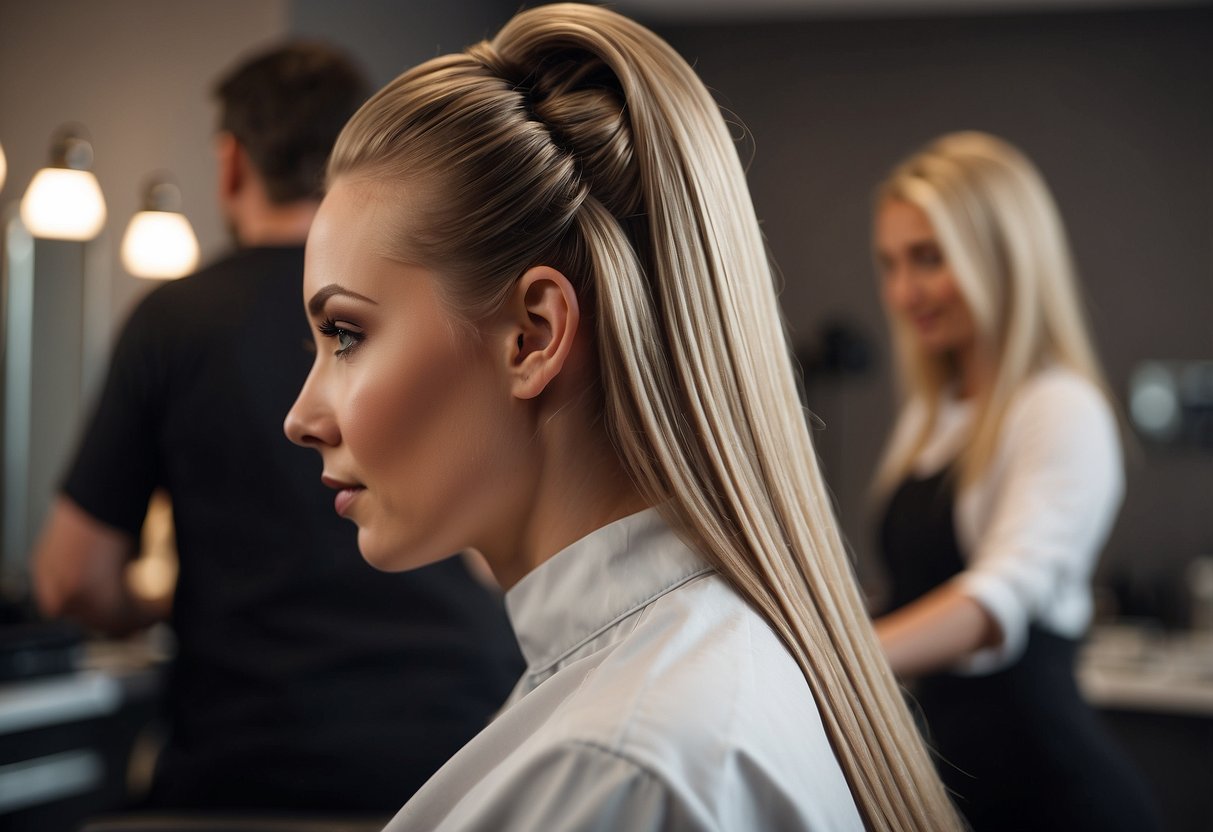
(578, 139)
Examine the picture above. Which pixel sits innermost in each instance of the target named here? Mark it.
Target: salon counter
(66, 740)
(1137, 668)
(1154, 690)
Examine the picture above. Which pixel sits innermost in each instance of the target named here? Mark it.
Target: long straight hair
(1002, 236)
(578, 139)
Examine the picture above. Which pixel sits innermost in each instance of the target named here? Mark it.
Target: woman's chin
(938, 345)
(383, 558)
(400, 556)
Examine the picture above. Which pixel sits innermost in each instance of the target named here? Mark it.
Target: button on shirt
(655, 698)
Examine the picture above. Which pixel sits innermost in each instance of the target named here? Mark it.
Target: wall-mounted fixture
(1171, 402)
(160, 242)
(3, 167)
(64, 201)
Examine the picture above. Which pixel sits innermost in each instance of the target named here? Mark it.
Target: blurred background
(1113, 99)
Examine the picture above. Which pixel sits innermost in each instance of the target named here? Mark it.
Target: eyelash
(329, 329)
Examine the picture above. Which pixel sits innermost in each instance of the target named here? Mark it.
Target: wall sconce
(64, 201)
(3, 167)
(1171, 402)
(159, 242)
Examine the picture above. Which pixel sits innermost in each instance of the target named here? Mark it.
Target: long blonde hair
(578, 139)
(1000, 232)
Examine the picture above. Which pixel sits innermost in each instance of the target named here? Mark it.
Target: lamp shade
(159, 244)
(64, 201)
(3, 167)
(63, 204)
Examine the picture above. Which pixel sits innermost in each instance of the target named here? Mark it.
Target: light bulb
(159, 244)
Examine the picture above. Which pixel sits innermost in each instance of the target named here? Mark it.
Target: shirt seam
(623, 756)
(639, 605)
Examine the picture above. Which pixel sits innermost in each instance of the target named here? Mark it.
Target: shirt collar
(589, 586)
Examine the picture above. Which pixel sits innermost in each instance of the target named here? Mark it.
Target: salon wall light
(159, 242)
(64, 201)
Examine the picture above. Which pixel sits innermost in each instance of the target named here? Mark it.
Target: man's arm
(79, 572)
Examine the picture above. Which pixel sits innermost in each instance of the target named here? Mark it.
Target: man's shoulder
(186, 292)
(237, 268)
(219, 288)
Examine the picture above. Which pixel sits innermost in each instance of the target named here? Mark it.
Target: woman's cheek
(362, 434)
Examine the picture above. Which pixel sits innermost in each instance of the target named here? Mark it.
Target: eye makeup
(348, 335)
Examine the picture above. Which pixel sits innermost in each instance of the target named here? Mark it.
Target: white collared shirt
(1032, 527)
(654, 698)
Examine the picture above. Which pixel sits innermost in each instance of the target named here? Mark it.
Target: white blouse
(655, 698)
(1032, 528)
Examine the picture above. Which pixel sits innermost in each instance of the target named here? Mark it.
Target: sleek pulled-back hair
(579, 140)
(286, 107)
(1002, 235)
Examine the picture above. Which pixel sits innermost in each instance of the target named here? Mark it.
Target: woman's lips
(925, 321)
(345, 497)
(346, 492)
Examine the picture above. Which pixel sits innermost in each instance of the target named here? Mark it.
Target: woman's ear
(543, 318)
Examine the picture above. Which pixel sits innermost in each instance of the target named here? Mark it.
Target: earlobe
(545, 317)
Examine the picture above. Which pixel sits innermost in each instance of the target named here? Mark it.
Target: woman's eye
(347, 337)
(928, 256)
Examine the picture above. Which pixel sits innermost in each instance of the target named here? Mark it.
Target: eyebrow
(316, 304)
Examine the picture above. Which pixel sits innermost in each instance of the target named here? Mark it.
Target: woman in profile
(546, 330)
(1000, 485)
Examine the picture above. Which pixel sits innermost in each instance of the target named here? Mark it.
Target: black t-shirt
(305, 679)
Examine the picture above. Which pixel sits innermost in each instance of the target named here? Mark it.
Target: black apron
(1019, 749)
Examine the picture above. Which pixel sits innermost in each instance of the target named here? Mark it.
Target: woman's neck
(973, 372)
(579, 485)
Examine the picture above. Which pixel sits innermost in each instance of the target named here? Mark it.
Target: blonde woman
(1000, 483)
(546, 329)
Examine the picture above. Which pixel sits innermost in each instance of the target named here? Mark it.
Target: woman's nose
(898, 290)
(310, 421)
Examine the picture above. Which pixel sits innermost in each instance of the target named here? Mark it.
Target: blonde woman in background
(546, 329)
(1000, 485)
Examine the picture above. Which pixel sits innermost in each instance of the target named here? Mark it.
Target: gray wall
(1116, 110)
(390, 36)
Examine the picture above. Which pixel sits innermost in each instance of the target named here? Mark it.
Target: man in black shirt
(304, 680)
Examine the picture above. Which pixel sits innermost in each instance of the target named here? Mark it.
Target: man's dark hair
(286, 108)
